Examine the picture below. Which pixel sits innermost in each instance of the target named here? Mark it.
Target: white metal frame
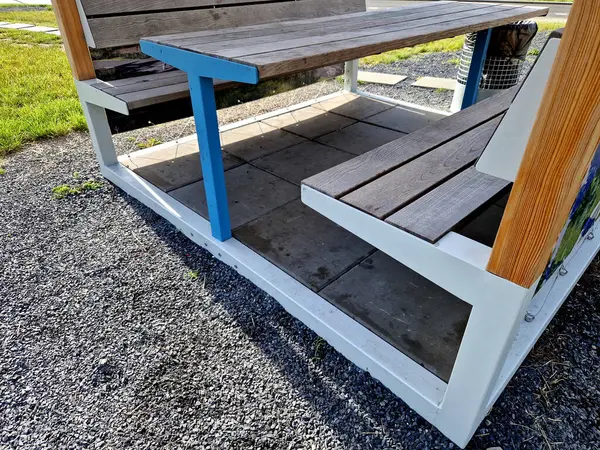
(496, 339)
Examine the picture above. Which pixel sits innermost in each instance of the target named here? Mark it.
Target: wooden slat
(111, 7)
(73, 38)
(147, 85)
(312, 56)
(286, 41)
(388, 194)
(348, 176)
(437, 213)
(105, 85)
(320, 24)
(127, 30)
(562, 144)
(335, 31)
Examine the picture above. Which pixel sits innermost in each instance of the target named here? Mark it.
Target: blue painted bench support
(201, 71)
(476, 69)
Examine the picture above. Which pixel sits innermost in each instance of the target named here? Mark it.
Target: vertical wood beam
(73, 37)
(562, 144)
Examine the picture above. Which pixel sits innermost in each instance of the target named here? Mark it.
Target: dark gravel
(117, 332)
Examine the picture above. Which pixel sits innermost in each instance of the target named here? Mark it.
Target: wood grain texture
(437, 213)
(259, 41)
(304, 58)
(111, 7)
(393, 191)
(562, 144)
(266, 29)
(129, 29)
(339, 33)
(73, 38)
(347, 177)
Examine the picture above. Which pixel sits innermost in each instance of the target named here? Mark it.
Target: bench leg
(209, 141)
(100, 133)
(490, 333)
(476, 68)
(351, 76)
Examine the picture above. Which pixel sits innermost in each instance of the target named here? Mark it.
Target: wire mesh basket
(499, 72)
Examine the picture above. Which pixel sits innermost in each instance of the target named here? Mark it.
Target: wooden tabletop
(288, 47)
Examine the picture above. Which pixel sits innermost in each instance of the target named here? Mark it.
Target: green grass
(37, 94)
(68, 190)
(45, 18)
(444, 45)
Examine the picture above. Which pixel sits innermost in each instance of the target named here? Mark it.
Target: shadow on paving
(539, 409)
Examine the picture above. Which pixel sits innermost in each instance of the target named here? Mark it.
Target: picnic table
(253, 53)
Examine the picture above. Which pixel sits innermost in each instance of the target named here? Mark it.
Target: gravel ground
(117, 332)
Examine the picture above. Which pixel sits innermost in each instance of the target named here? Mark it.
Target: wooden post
(562, 144)
(76, 46)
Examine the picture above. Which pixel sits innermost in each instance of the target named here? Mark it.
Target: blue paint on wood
(479, 54)
(201, 65)
(209, 141)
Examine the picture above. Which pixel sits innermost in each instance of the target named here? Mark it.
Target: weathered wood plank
(312, 56)
(393, 191)
(270, 28)
(238, 43)
(106, 85)
(336, 33)
(346, 177)
(111, 7)
(562, 144)
(161, 94)
(72, 34)
(147, 85)
(437, 213)
(127, 30)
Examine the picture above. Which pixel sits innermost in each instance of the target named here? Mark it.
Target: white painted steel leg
(490, 333)
(100, 133)
(351, 76)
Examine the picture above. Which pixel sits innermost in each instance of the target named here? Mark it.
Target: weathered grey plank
(111, 7)
(393, 191)
(238, 44)
(128, 29)
(348, 176)
(271, 28)
(136, 100)
(309, 57)
(104, 85)
(435, 214)
(147, 85)
(291, 40)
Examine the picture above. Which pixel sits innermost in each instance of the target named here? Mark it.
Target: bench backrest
(116, 23)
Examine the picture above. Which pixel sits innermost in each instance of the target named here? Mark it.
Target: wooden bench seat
(153, 89)
(424, 183)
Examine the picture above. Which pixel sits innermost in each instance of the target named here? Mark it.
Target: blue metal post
(207, 127)
(479, 54)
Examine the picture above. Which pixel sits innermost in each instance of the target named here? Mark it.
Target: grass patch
(37, 94)
(149, 143)
(68, 190)
(2, 170)
(444, 45)
(45, 17)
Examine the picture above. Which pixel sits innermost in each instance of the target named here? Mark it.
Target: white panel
(502, 157)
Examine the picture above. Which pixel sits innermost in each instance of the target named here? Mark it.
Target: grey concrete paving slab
(301, 161)
(411, 313)
(401, 119)
(310, 122)
(256, 140)
(16, 26)
(380, 78)
(354, 106)
(251, 193)
(173, 167)
(436, 83)
(306, 245)
(360, 138)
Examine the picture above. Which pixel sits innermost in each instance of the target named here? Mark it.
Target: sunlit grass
(45, 17)
(37, 94)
